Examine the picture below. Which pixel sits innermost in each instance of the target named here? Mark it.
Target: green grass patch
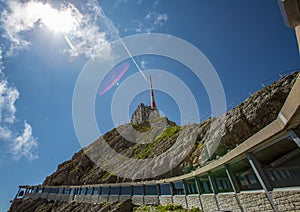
(165, 208)
(142, 151)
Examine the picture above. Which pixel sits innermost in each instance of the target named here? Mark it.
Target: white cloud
(158, 19)
(143, 64)
(25, 144)
(139, 27)
(86, 31)
(8, 96)
(5, 133)
(155, 4)
(155, 20)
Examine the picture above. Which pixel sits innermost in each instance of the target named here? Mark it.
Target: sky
(43, 58)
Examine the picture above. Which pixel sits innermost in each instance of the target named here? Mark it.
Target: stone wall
(151, 200)
(164, 200)
(88, 198)
(113, 198)
(124, 198)
(209, 202)
(180, 200)
(254, 201)
(138, 199)
(95, 199)
(228, 202)
(194, 201)
(103, 199)
(287, 200)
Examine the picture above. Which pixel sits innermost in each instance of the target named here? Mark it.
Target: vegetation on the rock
(142, 151)
(165, 208)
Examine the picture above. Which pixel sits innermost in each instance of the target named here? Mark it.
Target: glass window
(67, 191)
(204, 185)
(90, 190)
(21, 193)
(40, 190)
(104, 190)
(191, 186)
(138, 190)
(61, 190)
(165, 189)
(222, 181)
(46, 190)
(126, 190)
(96, 191)
(54, 190)
(72, 191)
(280, 161)
(178, 188)
(83, 191)
(151, 189)
(34, 190)
(114, 190)
(245, 176)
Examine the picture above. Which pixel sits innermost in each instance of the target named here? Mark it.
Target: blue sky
(246, 41)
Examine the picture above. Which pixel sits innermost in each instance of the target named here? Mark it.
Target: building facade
(143, 114)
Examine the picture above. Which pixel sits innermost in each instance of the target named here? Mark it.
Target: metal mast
(153, 105)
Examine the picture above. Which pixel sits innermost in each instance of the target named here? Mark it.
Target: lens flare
(113, 77)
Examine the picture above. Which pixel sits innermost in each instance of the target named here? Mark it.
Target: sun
(56, 20)
(59, 21)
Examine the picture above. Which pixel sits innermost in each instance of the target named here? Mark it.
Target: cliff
(211, 143)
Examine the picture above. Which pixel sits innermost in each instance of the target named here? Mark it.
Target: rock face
(42, 205)
(208, 140)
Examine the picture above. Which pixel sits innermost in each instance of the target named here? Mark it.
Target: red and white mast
(153, 105)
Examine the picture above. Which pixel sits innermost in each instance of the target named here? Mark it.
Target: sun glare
(55, 20)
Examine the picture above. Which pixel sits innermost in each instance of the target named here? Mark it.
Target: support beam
(199, 192)
(232, 179)
(261, 178)
(172, 193)
(185, 193)
(295, 137)
(144, 193)
(235, 186)
(213, 187)
(212, 183)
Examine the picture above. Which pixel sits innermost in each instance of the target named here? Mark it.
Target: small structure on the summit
(145, 113)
